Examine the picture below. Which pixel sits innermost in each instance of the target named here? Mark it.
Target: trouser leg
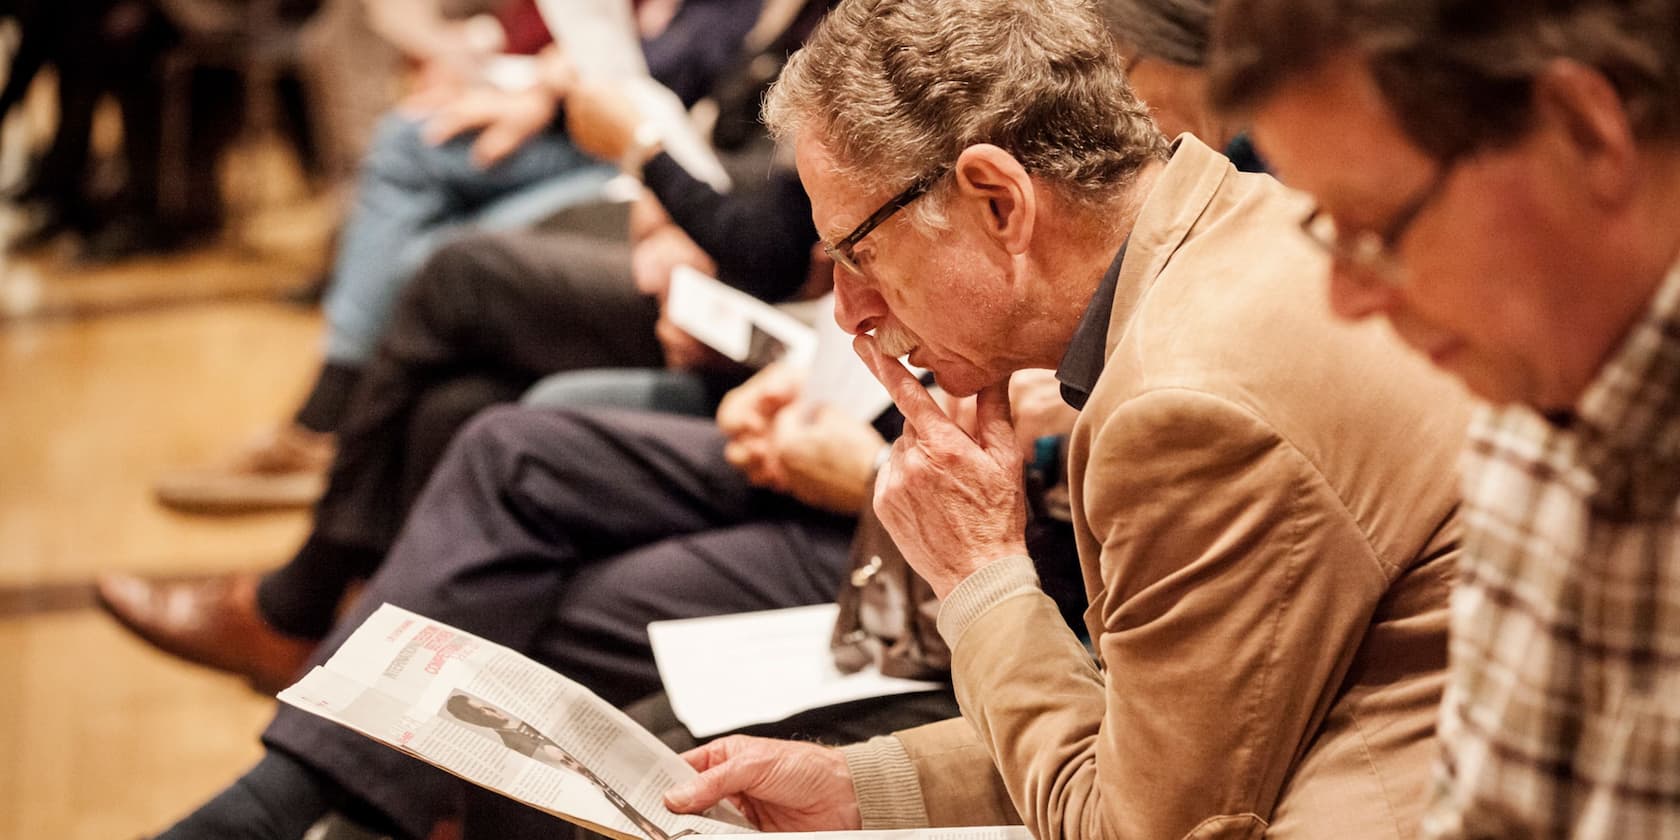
(503, 310)
(524, 501)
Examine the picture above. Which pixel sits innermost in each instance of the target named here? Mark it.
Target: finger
(707, 755)
(722, 779)
(495, 144)
(994, 423)
(739, 454)
(453, 121)
(914, 402)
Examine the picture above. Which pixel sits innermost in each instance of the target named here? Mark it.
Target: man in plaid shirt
(1501, 181)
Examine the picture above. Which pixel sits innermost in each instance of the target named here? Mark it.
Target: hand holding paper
(779, 785)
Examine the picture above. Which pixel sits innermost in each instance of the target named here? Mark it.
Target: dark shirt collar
(1083, 361)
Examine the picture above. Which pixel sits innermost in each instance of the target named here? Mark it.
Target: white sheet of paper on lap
(497, 719)
(988, 832)
(735, 323)
(729, 671)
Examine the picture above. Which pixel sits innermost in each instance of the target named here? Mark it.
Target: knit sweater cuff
(995, 583)
(888, 791)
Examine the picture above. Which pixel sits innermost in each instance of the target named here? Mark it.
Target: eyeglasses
(1372, 253)
(841, 252)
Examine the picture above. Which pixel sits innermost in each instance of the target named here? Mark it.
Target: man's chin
(959, 383)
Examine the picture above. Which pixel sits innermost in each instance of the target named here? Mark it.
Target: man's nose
(857, 307)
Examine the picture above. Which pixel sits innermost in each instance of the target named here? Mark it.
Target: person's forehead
(837, 203)
(1328, 131)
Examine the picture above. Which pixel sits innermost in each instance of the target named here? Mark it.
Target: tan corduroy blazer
(1265, 506)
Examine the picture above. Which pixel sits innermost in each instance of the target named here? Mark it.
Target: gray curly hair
(896, 88)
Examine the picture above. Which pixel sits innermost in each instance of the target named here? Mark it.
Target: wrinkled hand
(653, 257)
(601, 120)
(952, 498)
(779, 785)
(823, 457)
(503, 119)
(1035, 401)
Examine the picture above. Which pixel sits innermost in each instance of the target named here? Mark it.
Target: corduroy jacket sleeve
(1234, 589)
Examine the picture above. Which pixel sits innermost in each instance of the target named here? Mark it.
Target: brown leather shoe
(283, 469)
(210, 621)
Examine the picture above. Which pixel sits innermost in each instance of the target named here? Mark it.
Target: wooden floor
(106, 378)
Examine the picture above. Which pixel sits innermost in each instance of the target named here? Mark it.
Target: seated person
(562, 534)
(486, 318)
(437, 165)
(1263, 498)
(1500, 182)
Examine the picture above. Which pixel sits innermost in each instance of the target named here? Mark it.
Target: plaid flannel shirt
(1562, 711)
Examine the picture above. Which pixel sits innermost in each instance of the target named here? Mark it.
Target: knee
(499, 438)
(449, 282)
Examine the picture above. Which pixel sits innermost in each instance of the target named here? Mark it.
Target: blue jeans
(412, 196)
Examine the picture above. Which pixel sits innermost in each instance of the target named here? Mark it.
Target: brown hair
(1457, 73)
(1174, 31)
(897, 88)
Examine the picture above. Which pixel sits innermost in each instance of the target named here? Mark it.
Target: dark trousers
(498, 310)
(487, 316)
(561, 534)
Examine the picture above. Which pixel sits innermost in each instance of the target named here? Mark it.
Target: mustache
(895, 341)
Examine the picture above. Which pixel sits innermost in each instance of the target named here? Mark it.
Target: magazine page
(725, 672)
(500, 720)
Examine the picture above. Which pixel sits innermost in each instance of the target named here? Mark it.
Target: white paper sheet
(838, 377)
(730, 671)
(519, 728)
(735, 323)
(600, 38)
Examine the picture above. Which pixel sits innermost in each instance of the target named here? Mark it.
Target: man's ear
(999, 190)
(1578, 109)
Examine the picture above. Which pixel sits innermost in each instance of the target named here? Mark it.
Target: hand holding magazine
(495, 718)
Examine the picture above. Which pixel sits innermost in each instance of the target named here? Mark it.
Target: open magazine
(495, 718)
(500, 720)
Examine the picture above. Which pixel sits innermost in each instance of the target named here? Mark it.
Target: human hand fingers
(496, 142)
(994, 424)
(913, 400)
(464, 114)
(781, 785)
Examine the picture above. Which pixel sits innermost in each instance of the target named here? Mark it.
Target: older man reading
(1500, 182)
(1262, 497)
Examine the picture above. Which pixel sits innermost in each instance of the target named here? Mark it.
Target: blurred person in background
(1500, 182)
(461, 153)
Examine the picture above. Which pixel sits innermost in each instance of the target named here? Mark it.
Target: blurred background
(172, 176)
